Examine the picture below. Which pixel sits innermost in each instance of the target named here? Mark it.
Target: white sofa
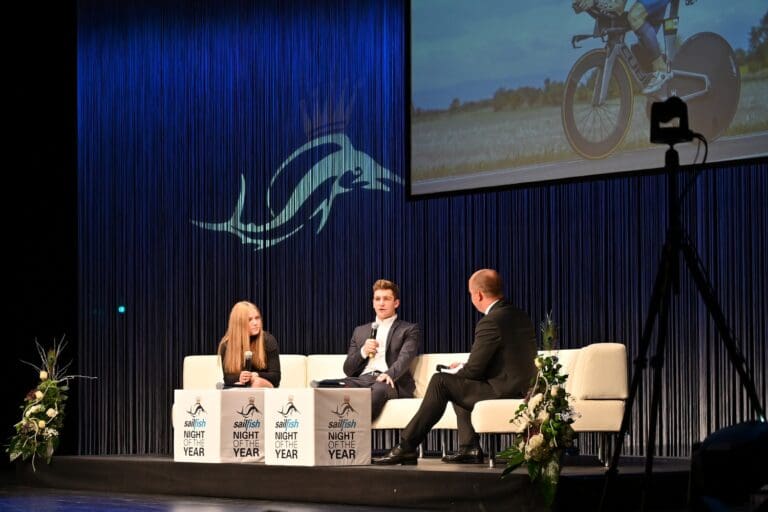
(597, 382)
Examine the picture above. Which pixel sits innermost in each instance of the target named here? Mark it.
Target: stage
(429, 485)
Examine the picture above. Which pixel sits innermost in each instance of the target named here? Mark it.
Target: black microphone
(248, 361)
(374, 330)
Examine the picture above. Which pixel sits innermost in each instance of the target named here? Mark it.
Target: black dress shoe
(473, 455)
(397, 455)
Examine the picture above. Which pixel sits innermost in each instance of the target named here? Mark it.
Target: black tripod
(667, 281)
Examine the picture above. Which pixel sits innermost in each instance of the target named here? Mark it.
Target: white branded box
(219, 425)
(317, 427)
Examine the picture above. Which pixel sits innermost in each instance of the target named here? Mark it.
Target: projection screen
(508, 92)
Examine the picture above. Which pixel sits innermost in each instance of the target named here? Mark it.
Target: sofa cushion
(397, 413)
(293, 371)
(491, 416)
(325, 366)
(568, 359)
(598, 415)
(202, 372)
(424, 366)
(600, 373)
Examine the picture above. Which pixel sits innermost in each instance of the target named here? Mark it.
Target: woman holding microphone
(249, 354)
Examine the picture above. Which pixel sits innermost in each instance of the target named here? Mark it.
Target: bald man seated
(500, 365)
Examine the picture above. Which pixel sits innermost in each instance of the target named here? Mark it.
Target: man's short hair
(487, 281)
(383, 284)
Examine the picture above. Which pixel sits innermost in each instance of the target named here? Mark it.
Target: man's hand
(245, 377)
(370, 347)
(386, 378)
(455, 364)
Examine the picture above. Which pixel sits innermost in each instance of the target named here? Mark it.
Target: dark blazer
(503, 351)
(403, 344)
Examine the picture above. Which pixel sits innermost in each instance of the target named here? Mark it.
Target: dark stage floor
(159, 484)
(27, 499)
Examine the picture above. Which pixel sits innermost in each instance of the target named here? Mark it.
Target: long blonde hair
(237, 339)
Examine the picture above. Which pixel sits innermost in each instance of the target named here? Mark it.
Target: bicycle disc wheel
(593, 129)
(711, 55)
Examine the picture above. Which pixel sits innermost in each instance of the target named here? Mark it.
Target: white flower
(536, 448)
(33, 410)
(539, 362)
(523, 422)
(536, 441)
(43, 375)
(51, 413)
(41, 424)
(535, 401)
(543, 416)
(39, 394)
(50, 432)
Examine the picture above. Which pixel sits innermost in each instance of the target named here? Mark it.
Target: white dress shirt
(379, 361)
(488, 309)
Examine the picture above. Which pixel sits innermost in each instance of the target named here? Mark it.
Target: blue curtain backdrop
(256, 150)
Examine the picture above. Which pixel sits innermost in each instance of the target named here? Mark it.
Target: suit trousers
(444, 388)
(380, 391)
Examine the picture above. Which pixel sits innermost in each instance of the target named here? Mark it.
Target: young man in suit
(382, 360)
(500, 365)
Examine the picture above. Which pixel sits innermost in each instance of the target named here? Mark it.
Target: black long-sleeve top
(270, 373)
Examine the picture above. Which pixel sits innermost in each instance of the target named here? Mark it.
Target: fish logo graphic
(249, 409)
(196, 409)
(344, 169)
(289, 408)
(344, 409)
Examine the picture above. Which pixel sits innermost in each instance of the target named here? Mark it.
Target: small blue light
(121, 310)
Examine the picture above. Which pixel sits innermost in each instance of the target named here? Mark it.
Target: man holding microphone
(380, 353)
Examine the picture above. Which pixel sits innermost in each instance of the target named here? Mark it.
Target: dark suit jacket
(403, 344)
(503, 351)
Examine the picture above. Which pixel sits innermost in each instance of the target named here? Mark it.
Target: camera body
(669, 122)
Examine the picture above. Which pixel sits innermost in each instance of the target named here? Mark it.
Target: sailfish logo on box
(195, 410)
(343, 411)
(344, 408)
(248, 411)
(336, 168)
(342, 436)
(288, 410)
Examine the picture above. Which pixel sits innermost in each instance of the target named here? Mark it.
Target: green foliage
(42, 418)
(755, 58)
(544, 422)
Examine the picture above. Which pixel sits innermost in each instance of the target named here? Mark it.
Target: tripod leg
(657, 363)
(661, 287)
(707, 292)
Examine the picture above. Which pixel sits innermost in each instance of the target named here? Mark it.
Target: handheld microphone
(374, 330)
(248, 361)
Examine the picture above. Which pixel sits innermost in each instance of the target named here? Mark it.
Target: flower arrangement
(544, 420)
(37, 433)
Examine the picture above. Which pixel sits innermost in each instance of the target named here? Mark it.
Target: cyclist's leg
(644, 18)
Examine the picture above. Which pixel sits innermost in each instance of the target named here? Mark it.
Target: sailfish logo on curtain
(342, 170)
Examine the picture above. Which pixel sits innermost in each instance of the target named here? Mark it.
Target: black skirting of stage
(430, 485)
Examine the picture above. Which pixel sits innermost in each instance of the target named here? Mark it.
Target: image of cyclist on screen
(645, 18)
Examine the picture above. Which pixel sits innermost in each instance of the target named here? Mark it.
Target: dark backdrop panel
(179, 102)
(40, 203)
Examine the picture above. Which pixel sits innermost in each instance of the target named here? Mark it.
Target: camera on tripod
(669, 122)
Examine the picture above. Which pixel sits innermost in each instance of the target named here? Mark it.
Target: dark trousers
(444, 388)
(380, 391)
